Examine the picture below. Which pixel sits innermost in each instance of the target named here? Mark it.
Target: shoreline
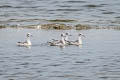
(59, 26)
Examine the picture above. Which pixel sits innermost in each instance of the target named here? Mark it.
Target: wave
(76, 1)
(6, 6)
(68, 9)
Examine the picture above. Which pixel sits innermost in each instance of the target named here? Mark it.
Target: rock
(82, 27)
(56, 26)
(2, 26)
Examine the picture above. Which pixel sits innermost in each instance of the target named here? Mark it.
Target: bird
(78, 41)
(55, 40)
(58, 42)
(66, 37)
(27, 42)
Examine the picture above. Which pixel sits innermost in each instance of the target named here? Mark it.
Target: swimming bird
(66, 37)
(78, 41)
(59, 42)
(55, 40)
(27, 42)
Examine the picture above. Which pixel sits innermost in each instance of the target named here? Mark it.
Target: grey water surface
(31, 12)
(97, 59)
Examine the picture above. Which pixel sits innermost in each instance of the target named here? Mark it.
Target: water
(97, 59)
(29, 12)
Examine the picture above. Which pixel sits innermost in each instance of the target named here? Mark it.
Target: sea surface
(32, 12)
(97, 59)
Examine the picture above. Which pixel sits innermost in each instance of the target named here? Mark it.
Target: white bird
(78, 41)
(27, 42)
(59, 42)
(66, 37)
(55, 40)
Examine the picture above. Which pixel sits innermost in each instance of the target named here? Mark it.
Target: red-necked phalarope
(27, 42)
